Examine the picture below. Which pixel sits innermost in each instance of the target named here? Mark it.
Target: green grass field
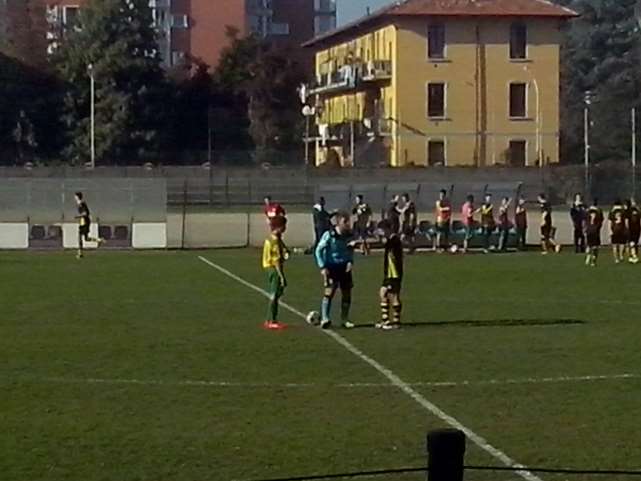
(154, 366)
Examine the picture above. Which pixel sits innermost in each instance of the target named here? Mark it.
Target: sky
(349, 10)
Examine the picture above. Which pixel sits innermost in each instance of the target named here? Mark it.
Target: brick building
(198, 28)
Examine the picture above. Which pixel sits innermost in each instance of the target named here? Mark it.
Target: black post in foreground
(446, 455)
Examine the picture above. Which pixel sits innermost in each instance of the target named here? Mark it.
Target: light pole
(587, 99)
(92, 88)
(538, 116)
(634, 152)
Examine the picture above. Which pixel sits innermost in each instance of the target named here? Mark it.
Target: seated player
(390, 292)
(362, 218)
(84, 224)
(593, 225)
(547, 230)
(618, 230)
(634, 230)
(335, 259)
(275, 254)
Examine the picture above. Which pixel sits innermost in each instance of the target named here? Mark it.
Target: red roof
(457, 8)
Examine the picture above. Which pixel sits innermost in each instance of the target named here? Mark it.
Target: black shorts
(635, 235)
(619, 236)
(409, 229)
(593, 239)
(393, 285)
(339, 277)
(361, 231)
(546, 233)
(83, 230)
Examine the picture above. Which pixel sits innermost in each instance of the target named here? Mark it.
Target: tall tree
(257, 87)
(118, 39)
(600, 55)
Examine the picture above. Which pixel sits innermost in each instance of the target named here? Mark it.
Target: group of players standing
(335, 243)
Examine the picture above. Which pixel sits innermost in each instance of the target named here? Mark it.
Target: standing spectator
(487, 222)
(547, 229)
(467, 215)
(392, 215)
(443, 220)
(410, 221)
(272, 210)
(520, 219)
(322, 220)
(362, 218)
(579, 215)
(504, 223)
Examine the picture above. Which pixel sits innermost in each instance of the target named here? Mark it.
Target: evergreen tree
(118, 39)
(600, 55)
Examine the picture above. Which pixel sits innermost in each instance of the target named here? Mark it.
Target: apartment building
(198, 28)
(441, 83)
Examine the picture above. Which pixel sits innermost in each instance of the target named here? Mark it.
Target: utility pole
(586, 139)
(92, 90)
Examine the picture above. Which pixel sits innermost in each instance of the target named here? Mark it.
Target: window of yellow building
(436, 42)
(518, 100)
(518, 41)
(436, 152)
(436, 101)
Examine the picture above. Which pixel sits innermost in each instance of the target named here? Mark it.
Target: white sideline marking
(396, 381)
(347, 385)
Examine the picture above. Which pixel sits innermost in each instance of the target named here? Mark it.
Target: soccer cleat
(101, 241)
(325, 324)
(348, 325)
(79, 255)
(389, 326)
(379, 325)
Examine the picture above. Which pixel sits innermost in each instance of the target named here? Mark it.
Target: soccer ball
(313, 318)
(454, 249)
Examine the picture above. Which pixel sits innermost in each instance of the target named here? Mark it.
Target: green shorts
(274, 286)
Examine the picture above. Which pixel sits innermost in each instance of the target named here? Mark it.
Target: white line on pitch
(396, 381)
(345, 385)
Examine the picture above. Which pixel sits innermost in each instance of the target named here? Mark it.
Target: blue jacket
(333, 249)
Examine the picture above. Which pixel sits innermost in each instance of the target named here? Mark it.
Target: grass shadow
(490, 323)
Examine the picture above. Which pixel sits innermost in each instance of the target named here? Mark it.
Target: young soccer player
(504, 223)
(618, 230)
(578, 214)
(547, 230)
(634, 230)
(593, 225)
(467, 216)
(410, 221)
(487, 222)
(362, 218)
(335, 259)
(275, 254)
(390, 292)
(443, 220)
(84, 224)
(272, 210)
(520, 219)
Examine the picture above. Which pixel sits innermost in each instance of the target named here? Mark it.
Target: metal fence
(49, 201)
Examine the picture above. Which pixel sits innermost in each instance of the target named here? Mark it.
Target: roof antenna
(368, 10)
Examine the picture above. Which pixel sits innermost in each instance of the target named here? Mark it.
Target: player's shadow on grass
(492, 323)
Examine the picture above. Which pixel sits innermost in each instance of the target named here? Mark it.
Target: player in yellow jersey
(84, 223)
(390, 292)
(275, 254)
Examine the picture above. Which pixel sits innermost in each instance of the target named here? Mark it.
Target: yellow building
(440, 82)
